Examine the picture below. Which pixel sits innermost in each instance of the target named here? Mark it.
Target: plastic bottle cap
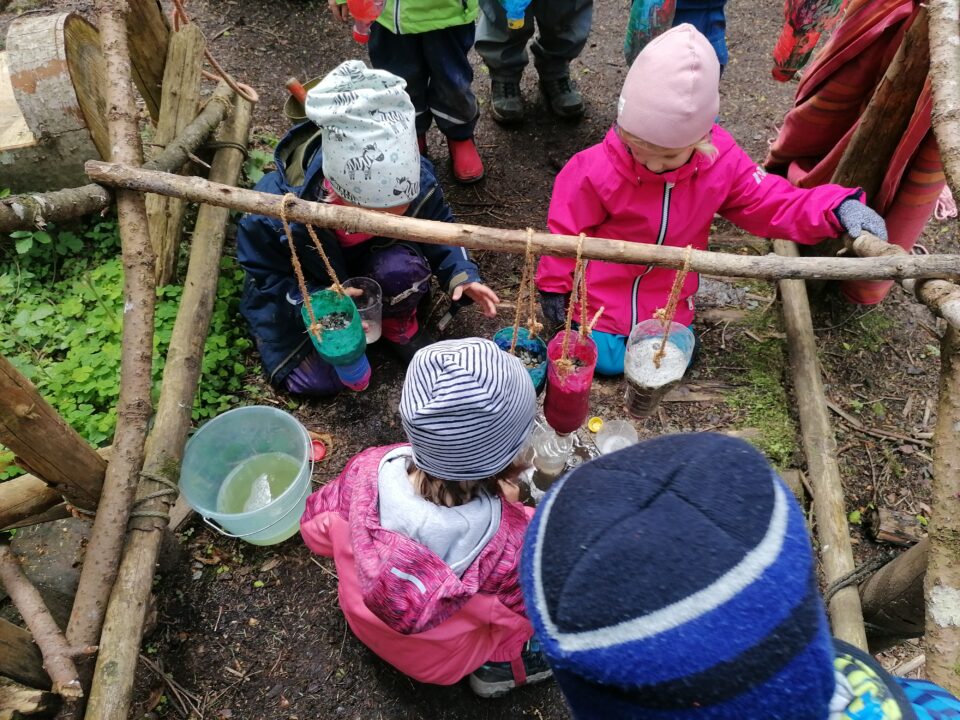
(594, 424)
(318, 450)
(515, 24)
(361, 38)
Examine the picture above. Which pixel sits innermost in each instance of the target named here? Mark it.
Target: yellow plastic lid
(594, 424)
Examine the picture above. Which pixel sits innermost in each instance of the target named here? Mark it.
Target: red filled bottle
(567, 402)
(364, 13)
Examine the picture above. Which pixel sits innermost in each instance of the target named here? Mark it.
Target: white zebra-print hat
(370, 153)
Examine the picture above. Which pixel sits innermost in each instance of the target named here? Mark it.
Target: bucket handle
(223, 532)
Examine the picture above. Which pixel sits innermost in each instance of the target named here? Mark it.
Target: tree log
(477, 237)
(133, 406)
(940, 296)
(17, 701)
(148, 34)
(892, 599)
(24, 497)
(23, 212)
(20, 659)
(942, 583)
(43, 442)
(893, 526)
(181, 97)
(820, 449)
(56, 652)
(945, 85)
(113, 680)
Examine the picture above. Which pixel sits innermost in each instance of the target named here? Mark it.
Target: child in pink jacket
(426, 536)
(659, 176)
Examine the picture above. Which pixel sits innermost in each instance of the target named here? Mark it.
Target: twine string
(666, 314)
(314, 328)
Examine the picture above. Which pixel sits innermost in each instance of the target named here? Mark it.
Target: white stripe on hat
(748, 570)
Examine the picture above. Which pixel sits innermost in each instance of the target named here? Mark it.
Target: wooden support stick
(942, 582)
(820, 448)
(57, 655)
(476, 237)
(133, 406)
(945, 85)
(892, 599)
(941, 296)
(23, 212)
(20, 659)
(120, 642)
(181, 95)
(44, 443)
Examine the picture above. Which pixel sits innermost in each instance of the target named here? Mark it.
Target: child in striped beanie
(426, 536)
(674, 580)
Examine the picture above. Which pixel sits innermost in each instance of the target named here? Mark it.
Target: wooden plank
(18, 701)
(148, 34)
(20, 658)
(14, 131)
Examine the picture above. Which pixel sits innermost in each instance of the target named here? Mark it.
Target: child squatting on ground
(358, 148)
(674, 580)
(426, 536)
(659, 176)
(426, 42)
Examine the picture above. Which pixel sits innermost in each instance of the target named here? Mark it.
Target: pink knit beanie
(671, 96)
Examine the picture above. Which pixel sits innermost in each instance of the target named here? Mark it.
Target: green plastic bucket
(344, 343)
(247, 473)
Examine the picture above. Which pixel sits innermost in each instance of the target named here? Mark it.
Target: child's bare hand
(483, 296)
(509, 491)
(352, 292)
(339, 12)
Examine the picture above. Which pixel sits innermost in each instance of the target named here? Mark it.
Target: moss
(876, 328)
(761, 399)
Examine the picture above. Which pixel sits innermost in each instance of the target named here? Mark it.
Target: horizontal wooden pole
(475, 237)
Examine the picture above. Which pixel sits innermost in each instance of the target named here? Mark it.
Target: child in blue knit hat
(674, 580)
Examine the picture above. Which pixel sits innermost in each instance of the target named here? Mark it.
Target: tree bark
(133, 406)
(147, 37)
(945, 85)
(940, 296)
(820, 449)
(56, 652)
(113, 679)
(942, 583)
(181, 96)
(477, 237)
(43, 442)
(23, 212)
(20, 659)
(892, 599)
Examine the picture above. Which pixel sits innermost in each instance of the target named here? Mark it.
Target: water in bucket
(248, 471)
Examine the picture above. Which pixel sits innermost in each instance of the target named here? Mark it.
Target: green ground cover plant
(61, 312)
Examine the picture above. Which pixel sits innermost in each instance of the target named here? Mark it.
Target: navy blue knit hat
(674, 579)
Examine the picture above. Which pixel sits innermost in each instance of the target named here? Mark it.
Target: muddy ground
(254, 632)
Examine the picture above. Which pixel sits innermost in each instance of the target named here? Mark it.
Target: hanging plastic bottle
(651, 372)
(516, 10)
(806, 21)
(569, 378)
(340, 340)
(364, 14)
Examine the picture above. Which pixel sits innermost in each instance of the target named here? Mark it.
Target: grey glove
(857, 218)
(554, 306)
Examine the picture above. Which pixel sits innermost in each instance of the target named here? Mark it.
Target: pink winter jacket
(604, 193)
(400, 599)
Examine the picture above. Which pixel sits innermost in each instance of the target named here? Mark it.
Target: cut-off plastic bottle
(647, 383)
(567, 403)
(341, 342)
(364, 13)
(516, 10)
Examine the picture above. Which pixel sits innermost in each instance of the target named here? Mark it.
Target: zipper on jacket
(396, 17)
(661, 236)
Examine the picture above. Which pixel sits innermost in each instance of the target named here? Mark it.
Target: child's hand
(554, 306)
(482, 295)
(509, 491)
(339, 12)
(857, 218)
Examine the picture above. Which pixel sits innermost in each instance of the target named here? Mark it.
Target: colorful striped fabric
(830, 99)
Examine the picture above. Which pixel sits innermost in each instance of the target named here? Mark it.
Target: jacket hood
(622, 161)
(407, 585)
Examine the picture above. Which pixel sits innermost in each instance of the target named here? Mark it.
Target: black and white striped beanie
(467, 408)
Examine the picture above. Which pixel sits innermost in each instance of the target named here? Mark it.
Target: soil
(256, 632)
(336, 321)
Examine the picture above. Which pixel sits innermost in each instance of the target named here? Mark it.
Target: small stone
(197, 574)
(274, 691)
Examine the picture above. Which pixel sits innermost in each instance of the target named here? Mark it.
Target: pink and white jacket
(400, 599)
(603, 192)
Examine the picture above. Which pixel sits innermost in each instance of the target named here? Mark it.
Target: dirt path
(257, 633)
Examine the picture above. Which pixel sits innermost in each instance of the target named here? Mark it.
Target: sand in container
(646, 383)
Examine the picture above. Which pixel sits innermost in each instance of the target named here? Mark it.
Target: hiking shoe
(422, 144)
(506, 103)
(494, 679)
(407, 350)
(563, 97)
(467, 165)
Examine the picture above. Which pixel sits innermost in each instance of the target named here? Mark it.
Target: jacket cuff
(460, 278)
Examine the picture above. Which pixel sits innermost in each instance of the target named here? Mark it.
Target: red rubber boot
(467, 165)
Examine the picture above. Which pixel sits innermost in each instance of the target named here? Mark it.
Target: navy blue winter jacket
(271, 297)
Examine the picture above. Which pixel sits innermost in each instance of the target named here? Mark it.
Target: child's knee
(610, 352)
(403, 275)
(313, 377)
